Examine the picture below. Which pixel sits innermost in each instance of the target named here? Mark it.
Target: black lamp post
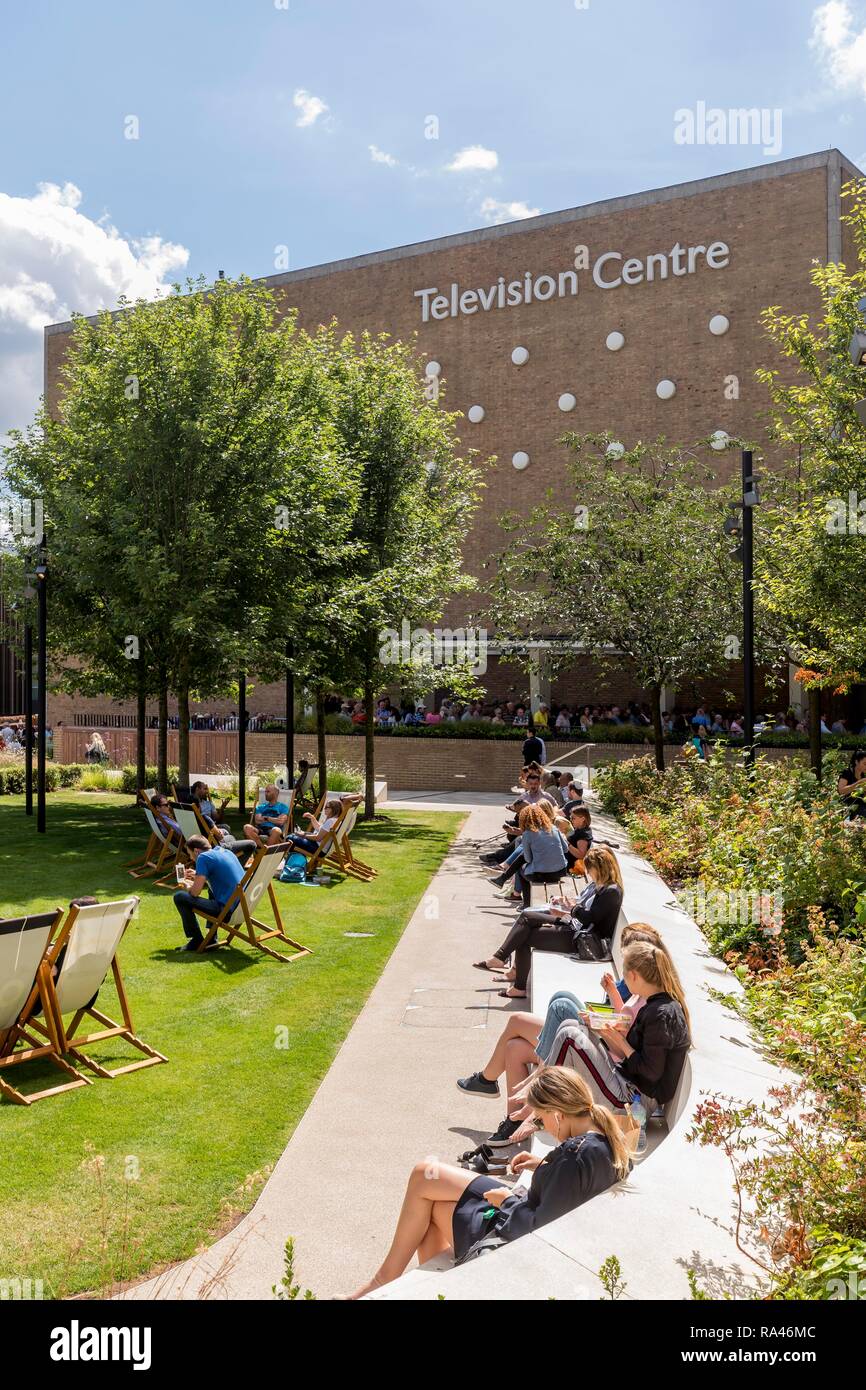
(42, 678)
(741, 528)
(750, 501)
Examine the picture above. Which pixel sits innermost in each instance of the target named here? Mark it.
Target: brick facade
(775, 220)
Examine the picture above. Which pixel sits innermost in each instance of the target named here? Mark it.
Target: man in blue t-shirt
(269, 821)
(218, 869)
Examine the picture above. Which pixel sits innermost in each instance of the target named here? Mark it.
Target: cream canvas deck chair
(191, 822)
(88, 940)
(161, 851)
(236, 918)
(340, 855)
(24, 942)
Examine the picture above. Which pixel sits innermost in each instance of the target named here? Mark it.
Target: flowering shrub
(799, 1159)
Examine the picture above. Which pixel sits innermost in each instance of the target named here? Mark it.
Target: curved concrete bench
(675, 1212)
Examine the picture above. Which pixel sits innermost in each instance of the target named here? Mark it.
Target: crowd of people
(589, 1079)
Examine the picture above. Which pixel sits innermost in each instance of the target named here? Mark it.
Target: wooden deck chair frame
(322, 854)
(27, 957)
(78, 923)
(340, 855)
(160, 852)
(236, 918)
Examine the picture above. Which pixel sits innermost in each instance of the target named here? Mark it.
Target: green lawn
(106, 1183)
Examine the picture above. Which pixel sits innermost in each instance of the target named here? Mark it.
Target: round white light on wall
(476, 414)
(520, 461)
(567, 402)
(520, 356)
(432, 369)
(615, 450)
(719, 325)
(666, 390)
(719, 439)
(615, 341)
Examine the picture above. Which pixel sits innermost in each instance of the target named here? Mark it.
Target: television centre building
(639, 316)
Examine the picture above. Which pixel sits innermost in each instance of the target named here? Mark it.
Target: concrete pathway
(388, 1099)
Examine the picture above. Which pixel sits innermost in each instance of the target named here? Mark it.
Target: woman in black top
(558, 926)
(580, 839)
(447, 1208)
(852, 787)
(645, 1058)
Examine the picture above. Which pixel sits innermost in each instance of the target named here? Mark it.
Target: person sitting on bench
(319, 830)
(270, 819)
(447, 1208)
(218, 869)
(559, 926)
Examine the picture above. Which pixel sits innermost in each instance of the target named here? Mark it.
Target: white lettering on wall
(610, 271)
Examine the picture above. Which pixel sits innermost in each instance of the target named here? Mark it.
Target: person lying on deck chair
(217, 869)
(270, 819)
(319, 830)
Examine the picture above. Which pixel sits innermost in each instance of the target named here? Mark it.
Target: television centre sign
(610, 271)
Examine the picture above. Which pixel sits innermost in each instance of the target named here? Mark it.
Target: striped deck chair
(161, 851)
(24, 942)
(236, 918)
(84, 952)
(341, 856)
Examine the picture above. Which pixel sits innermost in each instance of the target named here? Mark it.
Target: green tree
(416, 498)
(811, 551)
(186, 481)
(636, 568)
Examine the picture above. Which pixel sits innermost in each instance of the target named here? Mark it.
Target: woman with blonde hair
(528, 1042)
(447, 1208)
(584, 928)
(646, 1057)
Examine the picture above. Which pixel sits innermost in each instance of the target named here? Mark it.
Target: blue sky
(304, 127)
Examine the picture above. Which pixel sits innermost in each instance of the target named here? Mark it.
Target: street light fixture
(740, 526)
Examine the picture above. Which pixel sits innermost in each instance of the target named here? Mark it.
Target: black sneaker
(479, 1085)
(502, 1139)
(498, 881)
(192, 944)
(490, 859)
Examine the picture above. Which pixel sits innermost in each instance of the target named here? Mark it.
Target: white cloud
(840, 45)
(310, 107)
(493, 211)
(56, 261)
(473, 159)
(380, 157)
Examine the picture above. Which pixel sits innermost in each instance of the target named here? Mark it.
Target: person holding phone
(214, 868)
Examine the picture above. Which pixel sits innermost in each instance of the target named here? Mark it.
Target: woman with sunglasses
(449, 1209)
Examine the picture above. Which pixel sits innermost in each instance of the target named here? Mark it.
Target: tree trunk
(322, 744)
(183, 737)
(140, 728)
(162, 736)
(815, 756)
(658, 729)
(369, 755)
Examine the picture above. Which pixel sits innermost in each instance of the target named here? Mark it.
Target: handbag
(588, 946)
(481, 1247)
(294, 869)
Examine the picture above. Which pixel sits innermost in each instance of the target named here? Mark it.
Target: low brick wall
(406, 764)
